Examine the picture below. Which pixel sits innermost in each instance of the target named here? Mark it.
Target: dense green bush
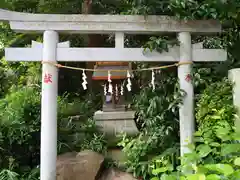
(215, 110)
(20, 126)
(207, 161)
(157, 119)
(215, 154)
(80, 135)
(141, 150)
(7, 77)
(20, 130)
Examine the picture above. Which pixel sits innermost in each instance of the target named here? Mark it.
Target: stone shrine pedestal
(116, 122)
(112, 123)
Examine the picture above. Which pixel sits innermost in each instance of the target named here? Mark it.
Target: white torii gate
(52, 51)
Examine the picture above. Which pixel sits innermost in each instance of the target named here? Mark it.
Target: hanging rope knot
(59, 65)
(184, 63)
(52, 63)
(48, 62)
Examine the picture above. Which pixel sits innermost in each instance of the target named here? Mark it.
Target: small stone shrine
(114, 118)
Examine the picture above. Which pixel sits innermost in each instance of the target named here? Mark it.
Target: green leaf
(190, 157)
(168, 177)
(237, 161)
(159, 170)
(214, 144)
(225, 169)
(198, 133)
(229, 148)
(196, 177)
(182, 178)
(216, 117)
(191, 147)
(222, 133)
(155, 178)
(198, 139)
(236, 175)
(236, 135)
(213, 177)
(204, 150)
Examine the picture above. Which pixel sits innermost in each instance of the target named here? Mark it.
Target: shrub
(20, 126)
(210, 161)
(20, 130)
(215, 154)
(157, 118)
(215, 110)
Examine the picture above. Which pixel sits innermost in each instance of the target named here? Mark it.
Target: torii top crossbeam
(26, 22)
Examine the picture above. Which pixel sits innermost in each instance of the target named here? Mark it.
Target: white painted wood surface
(186, 110)
(26, 22)
(234, 76)
(49, 108)
(119, 40)
(36, 44)
(114, 54)
(106, 27)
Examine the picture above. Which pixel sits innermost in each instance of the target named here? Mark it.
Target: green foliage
(215, 154)
(210, 161)
(153, 110)
(225, 11)
(159, 43)
(157, 118)
(6, 78)
(20, 130)
(215, 111)
(141, 150)
(11, 175)
(206, 9)
(80, 134)
(20, 125)
(137, 152)
(96, 142)
(77, 130)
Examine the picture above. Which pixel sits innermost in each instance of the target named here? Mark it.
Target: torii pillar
(48, 153)
(233, 76)
(186, 109)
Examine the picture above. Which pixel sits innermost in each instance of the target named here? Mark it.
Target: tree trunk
(93, 40)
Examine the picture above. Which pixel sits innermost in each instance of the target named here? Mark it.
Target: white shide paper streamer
(110, 88)
(84, 78)
(129, 84)
(153, 80)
